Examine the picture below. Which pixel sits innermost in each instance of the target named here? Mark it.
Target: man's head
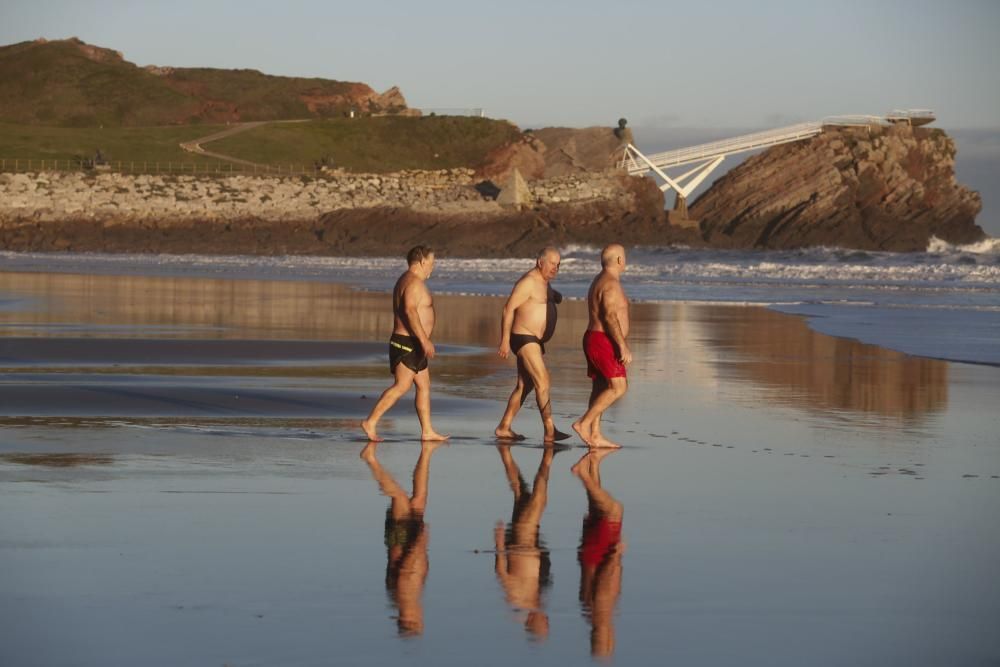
(548, 262)
(613, 256)
(422, 258)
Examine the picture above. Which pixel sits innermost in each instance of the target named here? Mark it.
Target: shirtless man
(410, 345)
(528, 322)
(604, 345)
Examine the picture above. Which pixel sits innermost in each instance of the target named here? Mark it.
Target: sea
(943, 303)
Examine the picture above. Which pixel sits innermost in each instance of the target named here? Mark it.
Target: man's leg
(423, 405)
(523, 387)
(585, 426)
(597, 386)
(531, 355)
(404, 379)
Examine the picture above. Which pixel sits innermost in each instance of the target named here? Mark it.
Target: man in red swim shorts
(605, 346)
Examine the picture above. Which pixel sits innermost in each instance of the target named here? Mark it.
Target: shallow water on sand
(181, 483)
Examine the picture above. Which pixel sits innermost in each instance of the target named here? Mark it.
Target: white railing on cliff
(710, 155)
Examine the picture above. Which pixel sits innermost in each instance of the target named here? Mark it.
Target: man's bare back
(608, 305)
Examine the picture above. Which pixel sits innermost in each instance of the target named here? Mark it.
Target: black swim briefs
(407, 351)
(517, 341)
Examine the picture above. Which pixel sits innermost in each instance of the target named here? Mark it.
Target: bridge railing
(733, 145)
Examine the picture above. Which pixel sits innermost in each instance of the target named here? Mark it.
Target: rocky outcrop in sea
(871, 188)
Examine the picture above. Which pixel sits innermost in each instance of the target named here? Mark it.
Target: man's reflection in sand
(406, 537)
(600, 554)
(522, 560)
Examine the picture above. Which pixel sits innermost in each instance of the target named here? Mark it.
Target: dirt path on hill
(195, 146)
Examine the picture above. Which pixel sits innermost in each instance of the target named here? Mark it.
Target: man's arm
(518, 296)
(555, 296)
(412, 296)
(612, 302)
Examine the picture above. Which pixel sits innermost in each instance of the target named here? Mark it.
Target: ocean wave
(989, 246)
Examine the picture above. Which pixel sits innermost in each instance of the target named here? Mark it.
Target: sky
(723, 64)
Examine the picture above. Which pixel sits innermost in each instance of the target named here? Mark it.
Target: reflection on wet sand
(61, 460)
(600, 555)
(406, 538)
(812, 370)
(218, 308)
(522, 561)
(715, 344)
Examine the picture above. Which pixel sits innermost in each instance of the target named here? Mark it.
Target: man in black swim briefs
(528, 322)
(410, 345)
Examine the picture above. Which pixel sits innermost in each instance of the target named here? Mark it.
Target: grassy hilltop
(70, 83)
(64, 100)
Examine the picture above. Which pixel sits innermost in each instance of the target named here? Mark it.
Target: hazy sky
(576, 63)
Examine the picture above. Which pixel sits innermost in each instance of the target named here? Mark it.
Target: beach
(182, 480)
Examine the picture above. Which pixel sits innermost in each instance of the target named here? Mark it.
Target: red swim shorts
(600, 538)
(602, 356)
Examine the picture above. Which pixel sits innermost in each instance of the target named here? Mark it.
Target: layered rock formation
(878, 188)
(554, 152)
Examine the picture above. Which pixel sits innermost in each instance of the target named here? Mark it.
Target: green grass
(150, 144)
(378, 144)
(68, 83)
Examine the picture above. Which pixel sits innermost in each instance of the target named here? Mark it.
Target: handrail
(748, 142)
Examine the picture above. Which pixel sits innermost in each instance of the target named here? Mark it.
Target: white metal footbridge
(706, 157)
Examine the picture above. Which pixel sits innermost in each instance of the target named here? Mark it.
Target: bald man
(527, 323)
(605, 345)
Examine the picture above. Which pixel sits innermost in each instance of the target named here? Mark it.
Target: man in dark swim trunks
(605, 346)
(410, 345)
(528, 322)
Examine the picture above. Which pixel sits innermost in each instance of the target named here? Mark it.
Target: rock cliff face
(555, 152)
(874, 189)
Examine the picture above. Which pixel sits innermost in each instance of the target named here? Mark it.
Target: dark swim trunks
(517, 341)
(407, 351)
(602, 356)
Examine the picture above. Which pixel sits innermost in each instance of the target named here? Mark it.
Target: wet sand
(182, 483)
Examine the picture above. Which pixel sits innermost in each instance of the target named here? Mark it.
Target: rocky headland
(885, 188)
(871, 188)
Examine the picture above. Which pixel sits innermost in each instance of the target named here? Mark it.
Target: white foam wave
(989, 246)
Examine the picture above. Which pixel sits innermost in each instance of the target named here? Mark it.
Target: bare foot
(582, 431)
(433, 436)
(601, 442)
(369, 430)
(556, 435)
(507, 434)
(578, 466)
(368, 453)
